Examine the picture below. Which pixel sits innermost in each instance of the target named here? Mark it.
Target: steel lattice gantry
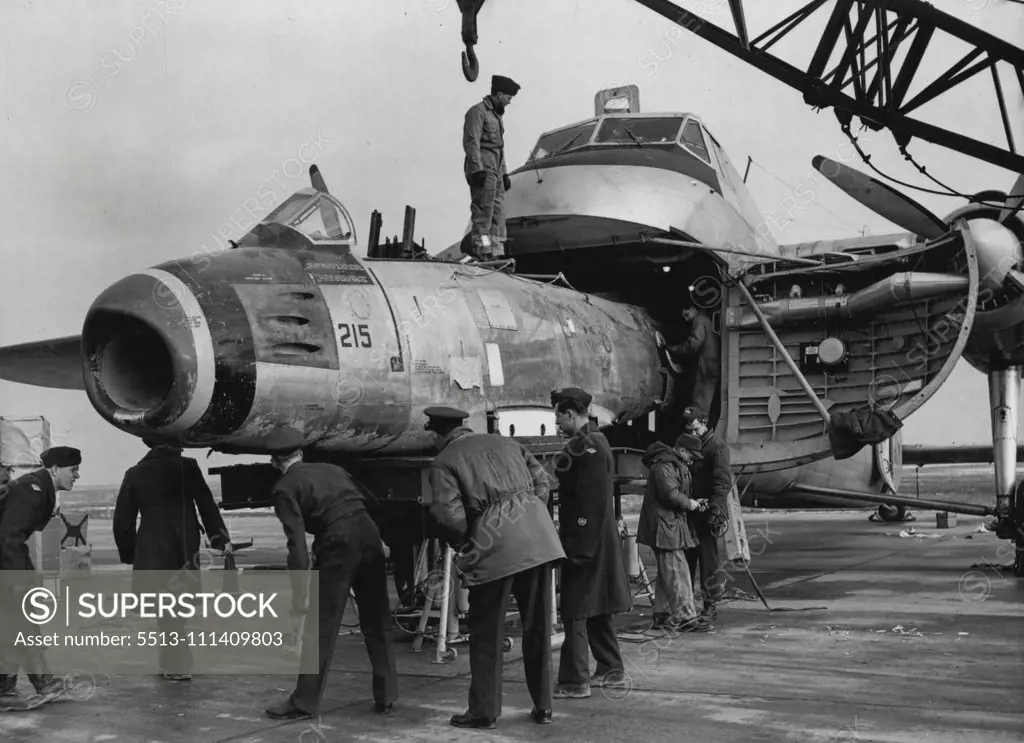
(867, 80)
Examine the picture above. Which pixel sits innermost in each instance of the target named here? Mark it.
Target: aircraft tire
(892, 514)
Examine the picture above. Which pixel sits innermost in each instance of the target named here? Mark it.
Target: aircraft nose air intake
(149, 354)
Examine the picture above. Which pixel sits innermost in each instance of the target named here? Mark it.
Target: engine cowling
(997, 339)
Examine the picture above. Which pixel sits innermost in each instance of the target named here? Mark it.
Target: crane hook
(470, 64)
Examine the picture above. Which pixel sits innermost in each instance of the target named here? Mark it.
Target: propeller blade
(1014, 202)
(317, 179)
(898, 208)
(1016, 277)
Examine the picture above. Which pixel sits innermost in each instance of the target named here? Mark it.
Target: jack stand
(448, 612)
(557, 638)
(635, 569)
(437, 590)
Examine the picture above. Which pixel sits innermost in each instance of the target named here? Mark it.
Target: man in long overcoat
(166, 488)
(594, 581)
(489, 498)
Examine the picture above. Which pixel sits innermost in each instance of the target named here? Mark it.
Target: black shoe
(51, 689)
(382, 708)
(466, 720)
(710, 613)
(287, 711)
(541, 716)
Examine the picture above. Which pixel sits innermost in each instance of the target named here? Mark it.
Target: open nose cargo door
(869, 339)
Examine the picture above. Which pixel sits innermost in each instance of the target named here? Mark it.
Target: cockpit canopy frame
(316, 216)
(684, 130)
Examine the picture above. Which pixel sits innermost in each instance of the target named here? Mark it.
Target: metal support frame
(1004, 400)
(856, 46)
(897, 500)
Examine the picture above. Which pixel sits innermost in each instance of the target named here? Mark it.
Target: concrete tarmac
(874, 637)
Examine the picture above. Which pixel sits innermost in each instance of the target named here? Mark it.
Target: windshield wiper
(638, 140)
(567, 145)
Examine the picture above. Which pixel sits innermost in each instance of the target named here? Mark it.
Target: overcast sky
(132, 132)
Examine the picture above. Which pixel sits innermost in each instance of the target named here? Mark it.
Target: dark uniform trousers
(712, 582)
(597, 633)
(346, 565)
(487, 605)
(13, 657)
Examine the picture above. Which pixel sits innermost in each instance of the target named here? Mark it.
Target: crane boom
(861, 38)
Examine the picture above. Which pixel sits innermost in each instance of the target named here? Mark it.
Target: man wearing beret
(166, 489)
(594, 581)
(323, 500)
(489, 500)
(30, 504)
(712, 481)
(666, 526)
(483, 140)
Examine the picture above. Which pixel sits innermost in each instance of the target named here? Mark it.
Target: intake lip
(142, 369)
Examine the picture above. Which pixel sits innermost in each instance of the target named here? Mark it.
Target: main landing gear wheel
(507, 645)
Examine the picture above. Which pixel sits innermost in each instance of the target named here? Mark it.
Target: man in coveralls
(30, 503)
(483, 139)
(594, 581)
(701, 350)
(322, 499)
(489, 500)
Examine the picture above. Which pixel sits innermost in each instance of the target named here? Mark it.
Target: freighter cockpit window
(633, 130)
(693, 140)
(555, 143)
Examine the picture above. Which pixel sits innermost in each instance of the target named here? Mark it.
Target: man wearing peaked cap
(489, 500)
(594, 581)
(284, 440)
(323, 500)
(485, 169)
(439, 416)
(30, 504)
(571, 393)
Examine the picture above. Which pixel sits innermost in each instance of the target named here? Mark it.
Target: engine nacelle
(997, 339)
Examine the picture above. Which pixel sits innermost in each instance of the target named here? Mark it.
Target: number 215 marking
(354, 336)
